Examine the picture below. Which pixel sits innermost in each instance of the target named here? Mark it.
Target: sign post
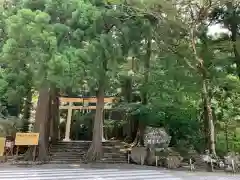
(9, 146)
(2, 145)
(27, 139)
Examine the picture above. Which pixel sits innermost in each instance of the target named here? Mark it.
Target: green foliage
(9, 126)
(77, 44)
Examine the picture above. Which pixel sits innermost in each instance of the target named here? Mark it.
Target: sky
(216, 29)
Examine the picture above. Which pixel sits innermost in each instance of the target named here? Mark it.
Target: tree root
(137, 142)
(28, 156)
(94, 153)
(134, 144)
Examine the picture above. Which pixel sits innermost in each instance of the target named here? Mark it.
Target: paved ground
(82, 174)
(205, 176)
(110, 172)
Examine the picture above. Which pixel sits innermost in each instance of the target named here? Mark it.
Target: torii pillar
(68, 124)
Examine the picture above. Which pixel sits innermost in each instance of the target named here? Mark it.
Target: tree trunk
(128, 89)
(211, 126)
(27, 111)
(233, 27)
(95, 151)
(205, 125)
(127, 94)
(55, 119)
(203, 72)
(42, 125)
(28, 101)
(226, 136)
(139, 140)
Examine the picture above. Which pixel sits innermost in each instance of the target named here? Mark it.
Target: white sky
(216, 29)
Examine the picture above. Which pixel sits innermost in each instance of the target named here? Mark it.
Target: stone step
(109, 157)
(79, 162)
(115, 158)
(111, 147)
(107, 146)
(60, 148)
(67, 155)
(112, 162)
(65, 149)
(68, 150)
(82, 154)
(72, 144)
(112, 151)
(75, 151)
(62, 153)
(72, 147)
(68, 158)
(64, 162)
(87, 145)
(88, 142)
(114, 154)
(81, 158)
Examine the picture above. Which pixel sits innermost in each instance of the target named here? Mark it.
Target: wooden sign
(2, 145)
(26, 139)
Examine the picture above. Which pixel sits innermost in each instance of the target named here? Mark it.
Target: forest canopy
(161, 53)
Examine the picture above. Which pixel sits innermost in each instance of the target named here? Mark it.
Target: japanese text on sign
(30, 139)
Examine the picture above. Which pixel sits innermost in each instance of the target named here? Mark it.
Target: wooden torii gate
(68, 103)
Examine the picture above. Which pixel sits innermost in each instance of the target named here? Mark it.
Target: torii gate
(70, 107)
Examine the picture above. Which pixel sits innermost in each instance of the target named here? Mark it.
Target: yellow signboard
(2, 145)
(24, 139)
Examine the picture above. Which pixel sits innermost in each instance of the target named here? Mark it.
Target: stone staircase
(73, 152)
